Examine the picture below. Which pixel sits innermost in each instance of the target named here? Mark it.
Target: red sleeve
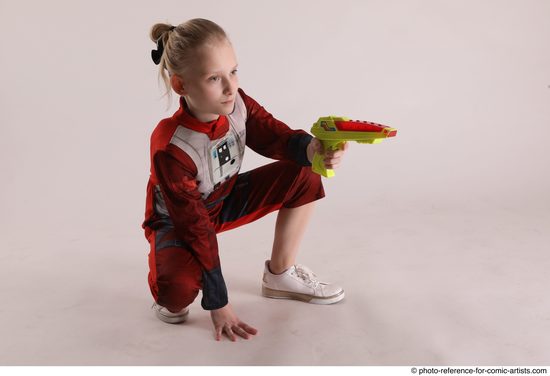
(271, 137)
(176, 175)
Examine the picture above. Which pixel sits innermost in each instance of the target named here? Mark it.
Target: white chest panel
(217, 160)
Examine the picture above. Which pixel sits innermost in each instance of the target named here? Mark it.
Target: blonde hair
(180, 43)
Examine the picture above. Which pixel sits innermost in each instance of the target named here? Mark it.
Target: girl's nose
(229, 87)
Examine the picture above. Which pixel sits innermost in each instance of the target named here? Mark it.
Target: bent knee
(176, 294)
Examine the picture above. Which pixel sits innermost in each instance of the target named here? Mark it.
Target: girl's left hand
(332, 158)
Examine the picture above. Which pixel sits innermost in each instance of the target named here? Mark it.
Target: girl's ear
(177, 84)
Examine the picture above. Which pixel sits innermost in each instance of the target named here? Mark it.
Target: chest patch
(225, 159)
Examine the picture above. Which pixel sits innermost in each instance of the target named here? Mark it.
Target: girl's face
(210, 85)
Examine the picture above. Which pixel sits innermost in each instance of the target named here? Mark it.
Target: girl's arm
(271, 137)
(191, 221)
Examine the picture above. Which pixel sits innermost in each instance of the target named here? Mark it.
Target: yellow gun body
(333, 131)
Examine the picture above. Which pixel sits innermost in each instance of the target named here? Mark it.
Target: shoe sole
(277, 294)
(172, 319)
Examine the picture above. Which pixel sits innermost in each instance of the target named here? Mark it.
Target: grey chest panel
(218, 160)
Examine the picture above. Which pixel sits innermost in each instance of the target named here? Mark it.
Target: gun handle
(318, 165)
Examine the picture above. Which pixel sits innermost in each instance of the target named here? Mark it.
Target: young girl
(195, 190)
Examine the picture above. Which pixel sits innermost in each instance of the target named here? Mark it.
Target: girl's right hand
(225, 321)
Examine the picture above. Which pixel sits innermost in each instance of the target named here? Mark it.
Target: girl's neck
(202, 117)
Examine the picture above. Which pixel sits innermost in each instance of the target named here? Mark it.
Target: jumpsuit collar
(213, 129)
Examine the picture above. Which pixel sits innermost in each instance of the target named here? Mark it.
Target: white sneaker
(172, 318)
(298, 282)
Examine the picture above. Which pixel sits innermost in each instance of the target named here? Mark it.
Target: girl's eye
(217, 78)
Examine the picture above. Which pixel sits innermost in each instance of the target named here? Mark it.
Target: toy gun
(333, 131)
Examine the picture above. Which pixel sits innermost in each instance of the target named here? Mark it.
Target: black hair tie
(157, 54)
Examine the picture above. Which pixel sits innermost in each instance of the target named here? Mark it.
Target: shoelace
(306, 274)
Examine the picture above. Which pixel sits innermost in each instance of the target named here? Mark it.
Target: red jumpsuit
(182, 218)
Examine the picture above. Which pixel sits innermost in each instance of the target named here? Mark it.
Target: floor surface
(425, 285)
